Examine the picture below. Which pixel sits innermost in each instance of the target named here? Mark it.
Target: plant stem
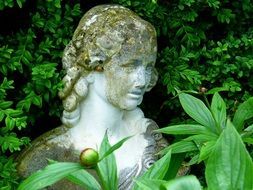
(102, 181)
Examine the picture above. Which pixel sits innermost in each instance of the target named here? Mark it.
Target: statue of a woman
(109, 65)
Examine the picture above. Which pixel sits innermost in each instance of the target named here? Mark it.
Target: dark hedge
(202, 44)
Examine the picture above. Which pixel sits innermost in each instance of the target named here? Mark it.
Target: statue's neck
(97, 117)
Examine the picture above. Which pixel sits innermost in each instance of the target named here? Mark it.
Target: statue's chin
(130, 104)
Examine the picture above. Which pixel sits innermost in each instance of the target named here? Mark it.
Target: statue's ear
(90, 78)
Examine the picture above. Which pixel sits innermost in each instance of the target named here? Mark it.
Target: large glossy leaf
(218, 108)
(150, 184)
(229, 167)
(244, 112)
(183, 183)
(196, 109)
(180, 147)
(84, 179)
(49, 175)
(184, 129)
(202, 138)
(177, 160)
(107, 168)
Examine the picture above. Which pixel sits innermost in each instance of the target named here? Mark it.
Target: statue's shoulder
(139, 124)
(50, 145)
(154, 137)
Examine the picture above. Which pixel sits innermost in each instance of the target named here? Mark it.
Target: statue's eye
(131, 65)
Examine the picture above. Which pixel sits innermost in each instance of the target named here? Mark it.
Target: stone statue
(109, 65)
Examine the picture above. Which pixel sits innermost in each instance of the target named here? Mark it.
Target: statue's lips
(136, 94)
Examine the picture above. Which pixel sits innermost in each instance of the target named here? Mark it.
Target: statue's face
(127, 79)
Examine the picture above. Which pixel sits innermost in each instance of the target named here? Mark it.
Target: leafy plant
(215, 140)
(185, 183)
(30, 79)
(11, 3)
(75, 172)
(107, 172)
(229, 165)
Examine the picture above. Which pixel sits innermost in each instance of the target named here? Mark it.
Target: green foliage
(215, 140)
(11, 3)
(185, 183)
(7, 173)
(49, 175)
(209, 124)
(106, 170)
(30, 59)
(243, 113)
(84, 179)
(230, 154)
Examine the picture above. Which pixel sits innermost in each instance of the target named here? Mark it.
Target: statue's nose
(140, 79)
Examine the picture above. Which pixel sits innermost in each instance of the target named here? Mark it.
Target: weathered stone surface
(109, 65)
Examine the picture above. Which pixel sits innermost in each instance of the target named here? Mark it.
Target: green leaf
(206, 150)
(177, 160)
(248, 140)
(107, 168)
(218, 108)
(196, 109)
(217, 89)
(19, 2)
(150, 184)
(57, 3)
(1, 115)
(49, 175)
(115, 147)
(5, 104)
(10, 142)
(37, 100)
(180, 147)
(202, 138)
(184, 129)
(229, 165)
(243, 113)
(9, 122)
(183, 183)
(84, 179)
(14, 113)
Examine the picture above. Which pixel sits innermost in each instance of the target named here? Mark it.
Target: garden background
(203, 45)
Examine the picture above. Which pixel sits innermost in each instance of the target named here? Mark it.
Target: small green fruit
(89, 157)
